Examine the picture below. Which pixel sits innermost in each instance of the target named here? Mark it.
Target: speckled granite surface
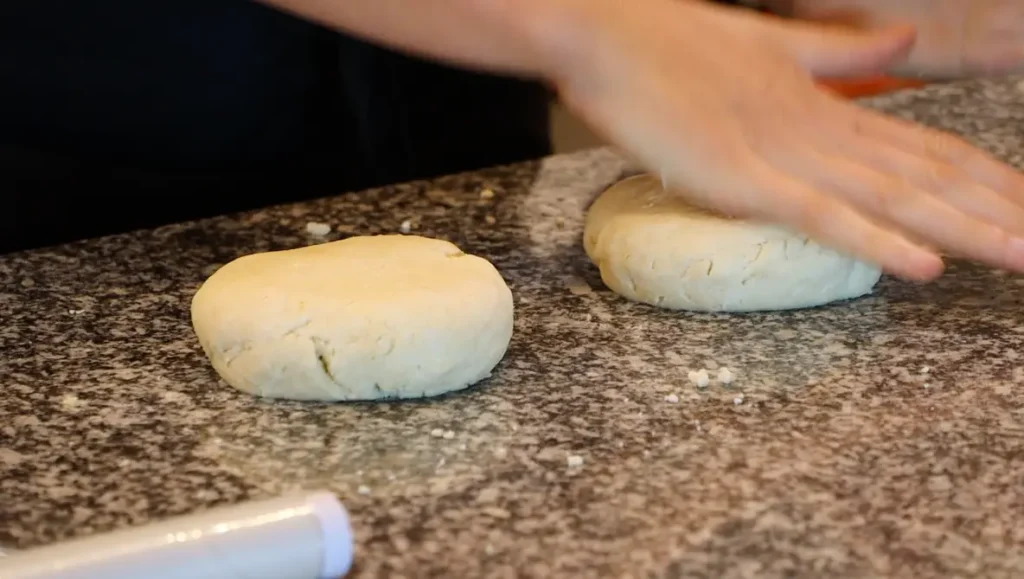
(843, 459)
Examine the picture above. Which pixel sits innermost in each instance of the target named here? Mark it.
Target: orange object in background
(857, 88)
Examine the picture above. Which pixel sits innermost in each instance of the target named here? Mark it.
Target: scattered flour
(725, 375)
(317, 229)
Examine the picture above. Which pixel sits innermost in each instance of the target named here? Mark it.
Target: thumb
(829, 51)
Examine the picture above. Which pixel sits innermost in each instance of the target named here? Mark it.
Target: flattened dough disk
(653, 247)
(365, 318)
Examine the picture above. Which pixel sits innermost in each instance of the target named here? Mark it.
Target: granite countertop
(879, 437)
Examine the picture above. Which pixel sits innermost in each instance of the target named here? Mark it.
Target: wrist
(580, 39)
(569, 37)
(553, 33)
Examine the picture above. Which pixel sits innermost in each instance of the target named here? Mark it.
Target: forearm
(508, 36)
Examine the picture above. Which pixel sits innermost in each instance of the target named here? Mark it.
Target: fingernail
(924, 266)
(1016, 253)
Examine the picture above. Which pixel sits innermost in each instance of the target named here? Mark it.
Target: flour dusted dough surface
(653, 247)
(365, 318)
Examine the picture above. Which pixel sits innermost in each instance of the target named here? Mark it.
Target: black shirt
(117, 114)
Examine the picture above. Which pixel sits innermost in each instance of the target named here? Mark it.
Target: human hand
(955, 38)
(723, 104)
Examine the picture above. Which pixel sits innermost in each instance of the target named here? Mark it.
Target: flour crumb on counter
(437, 433)
(725, 375)
(71, 402)
(926, 369)
(574, 461)
(363, 490)
(700, 378)
(491, 220)
(74, 312)
(406, 226)
(317, 229)
(672, 399)
(487, 194)
(738, 400)
(449, 434)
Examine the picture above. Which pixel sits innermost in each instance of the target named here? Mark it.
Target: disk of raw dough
(365, 318)
(653, 247)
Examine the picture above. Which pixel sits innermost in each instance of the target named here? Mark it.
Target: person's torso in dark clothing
(167, 110)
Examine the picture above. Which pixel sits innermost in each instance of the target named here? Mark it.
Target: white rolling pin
(294, 537)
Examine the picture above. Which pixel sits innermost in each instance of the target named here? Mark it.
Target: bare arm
(722, 103)
(507, 36)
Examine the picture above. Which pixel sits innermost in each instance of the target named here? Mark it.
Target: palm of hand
(955, 38)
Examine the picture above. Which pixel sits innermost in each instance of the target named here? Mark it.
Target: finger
(859, 185)
(996, 58)
(1003, 19)
(831, 51)
(944, 181)
(940, 146)
(833, 223)
(927, 217)
(960, 233)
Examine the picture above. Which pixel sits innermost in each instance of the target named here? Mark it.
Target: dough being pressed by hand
(653, 247)
(365, 318)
